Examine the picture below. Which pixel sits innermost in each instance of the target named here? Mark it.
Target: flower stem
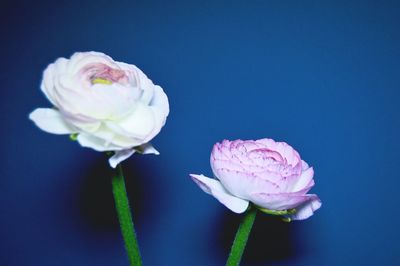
(125, 218)
(241, 237)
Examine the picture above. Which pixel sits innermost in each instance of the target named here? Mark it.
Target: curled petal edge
(307, 209)
(122, 155)
(215, 188)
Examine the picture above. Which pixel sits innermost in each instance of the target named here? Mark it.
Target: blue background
(322, 76)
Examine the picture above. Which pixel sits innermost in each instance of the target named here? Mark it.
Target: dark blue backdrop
(323, 77)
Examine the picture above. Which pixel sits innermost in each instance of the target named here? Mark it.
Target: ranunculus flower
(269, 174)
(107, 105)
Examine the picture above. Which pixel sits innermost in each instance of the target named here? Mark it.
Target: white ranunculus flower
(109, 105)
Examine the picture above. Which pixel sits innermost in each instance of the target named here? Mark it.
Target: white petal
(147, 148)
(138, 80)
(51, 121)
(215, 188)
(114, 101)
(120, 156)
(139, 124)
(160, 100)
(95, 143)
(146, 86)
(160, 108)
(48, 85)
(126, 142)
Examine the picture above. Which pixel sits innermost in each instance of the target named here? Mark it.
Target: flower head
(269, 174)
(107, 105)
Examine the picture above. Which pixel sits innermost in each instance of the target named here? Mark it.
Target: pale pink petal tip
(307, 209)
(214, 188)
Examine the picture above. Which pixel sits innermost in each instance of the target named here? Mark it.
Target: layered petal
(139, 124)
(113, 101)
(303, 180)
(160, 107)
(126, 142)
(214, 188)
(243, 184)
(47, 86)
(291, 155)
(112, 106)
(81, 59)
(307, 209)
(282, 201)
(160, 100)
(97, 144)
(220, 153)
(83, 123)
(51, 121)
(270, 174)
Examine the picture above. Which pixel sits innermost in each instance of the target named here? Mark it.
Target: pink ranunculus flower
(106, 105)
(269, 174)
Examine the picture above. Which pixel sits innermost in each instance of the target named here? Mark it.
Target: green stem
(241, 237)
(125, 218)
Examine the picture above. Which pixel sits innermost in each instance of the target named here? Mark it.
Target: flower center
(266, 154)
(101, 81)
(103, 74)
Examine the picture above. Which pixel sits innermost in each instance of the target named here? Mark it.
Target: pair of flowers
(113, 106)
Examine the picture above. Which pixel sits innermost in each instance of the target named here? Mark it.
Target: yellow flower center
(101, 81)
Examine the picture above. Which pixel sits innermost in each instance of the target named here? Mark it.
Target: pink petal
(243, 184)
(249, 145)
(307, 209)
(214, 188)
(282, 201)
(219, 152)
(226, 164)
(305, 180)
(287, 151)
(268, 143)
(304, 165)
